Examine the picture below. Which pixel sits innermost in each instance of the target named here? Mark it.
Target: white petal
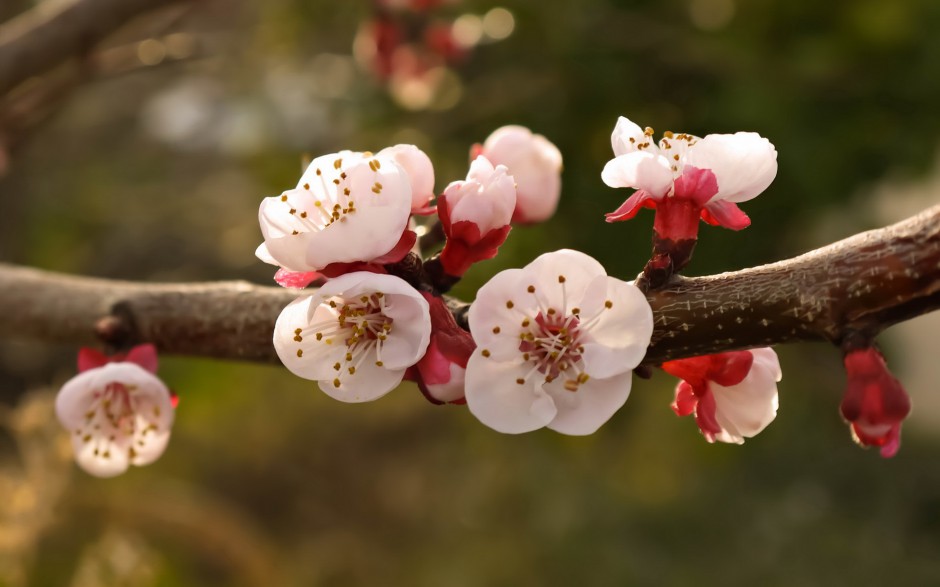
(489, 312)
(495, 398)
(744, 163)
(97, 464)
(745, 409)
(420, 171)
(411, 329)
(625, 130)
(620, 336)
(370, 382)
(316, 357)
(262, 253)
(546, 272)
(328, 169)
(639, 170)
(584, 411)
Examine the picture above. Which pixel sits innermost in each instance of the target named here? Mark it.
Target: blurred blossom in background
(155, 171)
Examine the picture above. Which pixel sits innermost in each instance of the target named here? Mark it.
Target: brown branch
(855, 287)
(43, 38)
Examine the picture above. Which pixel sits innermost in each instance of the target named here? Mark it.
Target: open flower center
(361, 325)
(115, 413)
(551, 344)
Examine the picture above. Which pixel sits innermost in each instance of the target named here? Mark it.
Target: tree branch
(42, 38)
(853, 288)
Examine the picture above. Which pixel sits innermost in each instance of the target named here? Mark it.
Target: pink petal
(731, 368)
(144, 355)
(630, 207)
(296, 279)
(90, 359)
(698, 185)
(685, 401)
(726, 214)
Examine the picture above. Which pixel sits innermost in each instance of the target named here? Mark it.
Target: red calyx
(693, 394)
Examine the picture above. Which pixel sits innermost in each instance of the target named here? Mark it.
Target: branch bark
(853, 288)
(44, 37)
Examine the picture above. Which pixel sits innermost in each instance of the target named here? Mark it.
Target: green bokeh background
(156, 175)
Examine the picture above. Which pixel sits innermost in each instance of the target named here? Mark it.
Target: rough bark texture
(55, 32)
(848, 290)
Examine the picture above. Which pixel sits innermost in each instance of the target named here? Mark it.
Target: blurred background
(151, 164)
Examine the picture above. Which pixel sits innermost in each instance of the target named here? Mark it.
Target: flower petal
(420, 172)
(495, 398)
(308, 357)
(727, 214)
(624, 130)
(744, 163)
(745, 409)
(562, 280)
(630, 207)
(641, 170)
(621, 333)
(584, 411)
(495, 325)
(370, 382)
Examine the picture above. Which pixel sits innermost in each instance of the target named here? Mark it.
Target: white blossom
(557, 342)
(682, 165)
(117, 415)
(356, 335)
(347, 207)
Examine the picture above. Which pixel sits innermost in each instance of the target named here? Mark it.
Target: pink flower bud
(442, 370)
(487, 198)
(874, 403)
(475, 215)
(535, 163)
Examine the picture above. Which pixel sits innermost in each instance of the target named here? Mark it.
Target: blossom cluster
(552, 345)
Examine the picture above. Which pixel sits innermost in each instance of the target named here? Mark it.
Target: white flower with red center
(875, 404)
(117, 412)
(420, 172)
(475, 215)
(534, 162)
(557, 342)
(733, 395)
(356, 335)
(347, 208)
(685, 177)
